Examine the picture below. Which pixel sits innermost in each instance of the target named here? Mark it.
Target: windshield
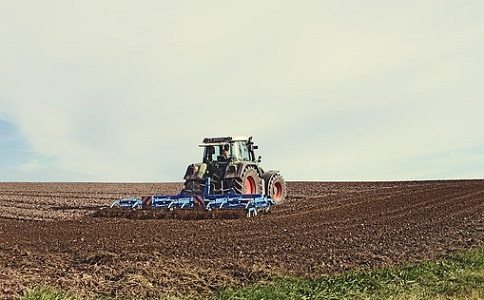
(240, 151)
(216, 153)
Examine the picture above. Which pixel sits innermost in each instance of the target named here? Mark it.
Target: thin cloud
(124, 92)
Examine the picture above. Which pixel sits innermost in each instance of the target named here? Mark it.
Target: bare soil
(48, 238)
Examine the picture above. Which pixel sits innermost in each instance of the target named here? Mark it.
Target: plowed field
(47, 237)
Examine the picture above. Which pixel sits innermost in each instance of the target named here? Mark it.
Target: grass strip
(47, 294)
(458, 277)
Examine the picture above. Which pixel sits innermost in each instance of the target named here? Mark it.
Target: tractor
(231, 165)
(228, 183)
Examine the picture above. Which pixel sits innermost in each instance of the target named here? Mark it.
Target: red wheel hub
(249, 185)
(277, 191)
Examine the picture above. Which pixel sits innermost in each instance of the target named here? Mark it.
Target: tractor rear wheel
(249, 182)
(276, 188)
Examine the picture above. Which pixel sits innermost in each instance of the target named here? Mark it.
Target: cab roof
(224, 139)
(212, 141)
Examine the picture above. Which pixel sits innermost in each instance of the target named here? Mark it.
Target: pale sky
(330, 90)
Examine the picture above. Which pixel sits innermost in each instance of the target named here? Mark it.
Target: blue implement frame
(251, 203)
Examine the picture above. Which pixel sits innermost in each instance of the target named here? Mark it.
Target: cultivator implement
(186, 206)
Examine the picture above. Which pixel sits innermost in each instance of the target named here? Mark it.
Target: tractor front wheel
(276, 187)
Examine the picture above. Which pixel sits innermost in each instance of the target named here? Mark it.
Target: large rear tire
(275, 187)
(249, 182)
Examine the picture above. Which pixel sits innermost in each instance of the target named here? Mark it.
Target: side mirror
(256, 147)
(259, 159)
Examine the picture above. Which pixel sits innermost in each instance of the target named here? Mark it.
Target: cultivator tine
(191, 214)
(229, 214)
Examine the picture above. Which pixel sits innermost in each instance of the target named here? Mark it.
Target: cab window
(243, 152)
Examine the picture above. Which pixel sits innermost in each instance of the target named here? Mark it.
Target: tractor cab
(225, 149)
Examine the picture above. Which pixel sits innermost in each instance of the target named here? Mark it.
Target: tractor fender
(266, 176)
(237, 169)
